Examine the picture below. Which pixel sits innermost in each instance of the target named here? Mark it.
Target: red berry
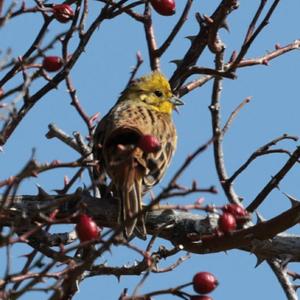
(52, 63)
(87, 229)
(241, 215)
(227, 222)
(200, 297)
(149, 143)
(235, 209)
(63, 12)
(164, 7)
(204, 282)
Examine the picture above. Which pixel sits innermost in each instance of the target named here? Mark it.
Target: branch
(159, 52)
(218, 133)
(264, 60)
(150, 37)
(206, 35)
(283, 278)
(259, 152)
(12, 125)
(275, 180)
(194, 232)
(250, 37)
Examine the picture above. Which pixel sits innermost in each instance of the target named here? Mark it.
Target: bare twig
(275, 180)
(159, 52)
(234, 114)
(150, 37)
(283, 278)
(261, 151)
(251, 34)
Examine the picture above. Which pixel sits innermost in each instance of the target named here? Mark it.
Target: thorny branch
(275, 180)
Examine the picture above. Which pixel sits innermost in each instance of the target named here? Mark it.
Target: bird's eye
(158, 93)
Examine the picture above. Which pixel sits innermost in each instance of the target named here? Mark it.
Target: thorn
(194, 185)
(260, 218)
(124, 293)
(225, 26)
(277, 46)
(265, 62)
(259, 261)
(294, 201)
(58, 192)
(34, 174)
(233, 56)
(79, 191)
(285, 261)
(177, 62)
(191, 37)
(41, 192)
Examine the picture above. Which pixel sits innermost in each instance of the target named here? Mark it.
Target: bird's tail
(131, 206)
(140, 228)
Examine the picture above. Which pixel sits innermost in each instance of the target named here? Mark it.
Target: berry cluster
(232, 216)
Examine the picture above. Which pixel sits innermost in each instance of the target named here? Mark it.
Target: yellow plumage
(144, 108)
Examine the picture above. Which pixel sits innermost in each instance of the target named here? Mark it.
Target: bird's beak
(176, 101)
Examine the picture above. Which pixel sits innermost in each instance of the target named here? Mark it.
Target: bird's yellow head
(154, 91)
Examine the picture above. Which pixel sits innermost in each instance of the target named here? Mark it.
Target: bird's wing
(157, 163)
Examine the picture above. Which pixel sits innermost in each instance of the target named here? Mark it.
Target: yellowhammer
(143, 109)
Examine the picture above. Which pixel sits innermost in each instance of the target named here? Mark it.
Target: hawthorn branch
(275, 180)
(150, 37)
(227, 73)
(218, 134)
(182, 226)
(234, 114)
(283, 278)
(264, 60)
(27, 54)
(259, 152)
(160, 51)
(201, 40)
(252, 34)
(190, 86)
(76, 103)
(12, 125)
(55, 132)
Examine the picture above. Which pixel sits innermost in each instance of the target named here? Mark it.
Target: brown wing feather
(157, 165)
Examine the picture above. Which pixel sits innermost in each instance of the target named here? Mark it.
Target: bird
(144, 108)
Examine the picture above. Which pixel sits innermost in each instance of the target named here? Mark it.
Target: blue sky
(99, 76)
